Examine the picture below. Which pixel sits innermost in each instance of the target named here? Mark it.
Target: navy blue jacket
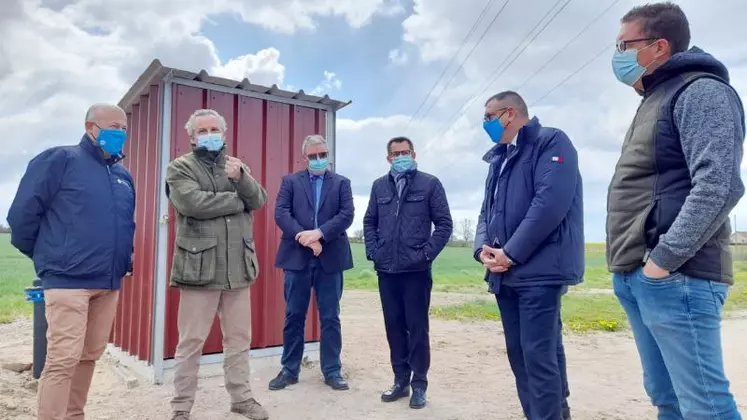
(294, 213)
(397, 230)
(536, 216)
(73, 215)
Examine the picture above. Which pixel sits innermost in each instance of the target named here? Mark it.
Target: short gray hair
(190, 125)
(512, 99)
(312, 140)
(92, 115)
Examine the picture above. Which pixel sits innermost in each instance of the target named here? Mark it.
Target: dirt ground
(469, 379)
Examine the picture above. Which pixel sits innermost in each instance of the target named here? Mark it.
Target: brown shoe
(250, 409)
(180, 415)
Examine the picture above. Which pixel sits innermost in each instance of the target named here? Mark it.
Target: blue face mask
(626, 68)
(318, 165)
(494, 128)
(111, 140)
(402, 163)
(211, 142)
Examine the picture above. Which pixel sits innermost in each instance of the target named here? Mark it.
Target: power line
(583, 66)
(563, 48)
(562, 82)
(453, 76)
(484, 87)
(464, 42)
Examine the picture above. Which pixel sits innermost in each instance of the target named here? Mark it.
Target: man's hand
(307, 237)
(653, 271)
(494, 259)
(316, 247)
(233, 168)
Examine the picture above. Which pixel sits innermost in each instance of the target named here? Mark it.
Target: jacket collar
(527, 134)
(87, 144)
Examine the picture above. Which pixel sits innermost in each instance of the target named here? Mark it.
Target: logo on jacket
(558, 159)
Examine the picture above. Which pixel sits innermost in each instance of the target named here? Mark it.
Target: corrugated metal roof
(157, 71)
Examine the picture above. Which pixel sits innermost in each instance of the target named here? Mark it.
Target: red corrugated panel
(267, 136)
(132, 330)
(149, 190)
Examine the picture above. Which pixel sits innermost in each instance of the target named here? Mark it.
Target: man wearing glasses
(668, 232)
(530, 238)
(406, 225)
(314, 208)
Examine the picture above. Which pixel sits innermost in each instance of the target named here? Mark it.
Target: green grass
(581, 313)
(16, 273)
(454, 271)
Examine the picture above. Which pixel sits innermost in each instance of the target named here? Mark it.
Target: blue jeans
(676, 322)
(328, 291)
(532, 329)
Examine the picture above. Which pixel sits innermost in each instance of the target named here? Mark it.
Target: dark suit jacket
(294, 212)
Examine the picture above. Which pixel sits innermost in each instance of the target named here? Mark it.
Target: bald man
(73, 215)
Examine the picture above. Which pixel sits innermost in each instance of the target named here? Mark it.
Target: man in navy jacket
(404, 205)
(314, 208)
(530, 238)
(73, 215)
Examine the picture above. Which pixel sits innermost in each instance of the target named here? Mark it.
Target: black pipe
(35, 294)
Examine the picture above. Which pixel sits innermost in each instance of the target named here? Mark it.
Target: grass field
(454, 271)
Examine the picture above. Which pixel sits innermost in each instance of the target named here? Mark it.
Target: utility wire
(484, 87)
(583, 66)
(464, 42)
(562, 82)
(564, 47)
(453, 76)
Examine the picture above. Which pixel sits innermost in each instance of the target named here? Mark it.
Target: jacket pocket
(195, 260)
(251, 264)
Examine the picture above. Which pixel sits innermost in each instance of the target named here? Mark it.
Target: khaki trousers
(79, 322)
(197, 309)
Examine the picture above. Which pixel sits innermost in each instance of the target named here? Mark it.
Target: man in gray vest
(668, 207)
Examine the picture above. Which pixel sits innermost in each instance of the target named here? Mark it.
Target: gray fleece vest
(650, 185)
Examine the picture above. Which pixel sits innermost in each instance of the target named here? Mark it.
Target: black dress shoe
(282, 380)
(337, 383)
(418, 398)
(396, 392)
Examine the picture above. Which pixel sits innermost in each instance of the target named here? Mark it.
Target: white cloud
(330, 82)
(591, 107)
(398, 57)
(262, 68)
(54, 63)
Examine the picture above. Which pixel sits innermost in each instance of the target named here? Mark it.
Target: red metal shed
(266, 126)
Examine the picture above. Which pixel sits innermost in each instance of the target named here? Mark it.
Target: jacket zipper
(397, 220)
(211, 176)
(114, 213)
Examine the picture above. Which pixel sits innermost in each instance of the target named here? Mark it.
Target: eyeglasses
(622, 45)
(400, 153)
(495, 115)
(317, 156)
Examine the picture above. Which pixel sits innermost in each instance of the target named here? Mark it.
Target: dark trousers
(328, 291)
(532, 327)
(405, 300)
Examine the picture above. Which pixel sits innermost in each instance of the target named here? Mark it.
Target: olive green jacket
(214, 246)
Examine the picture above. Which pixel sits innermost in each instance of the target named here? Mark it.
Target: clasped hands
(310, 239)
(494, 259)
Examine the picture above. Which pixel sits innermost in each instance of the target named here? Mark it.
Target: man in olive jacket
(214, 260)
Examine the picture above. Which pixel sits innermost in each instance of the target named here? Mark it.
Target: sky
(420, 68)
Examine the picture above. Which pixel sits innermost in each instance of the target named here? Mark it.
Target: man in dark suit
(405, 205)
(314, 209)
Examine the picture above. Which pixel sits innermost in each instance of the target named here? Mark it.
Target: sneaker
(250, 409)
(180, 415)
